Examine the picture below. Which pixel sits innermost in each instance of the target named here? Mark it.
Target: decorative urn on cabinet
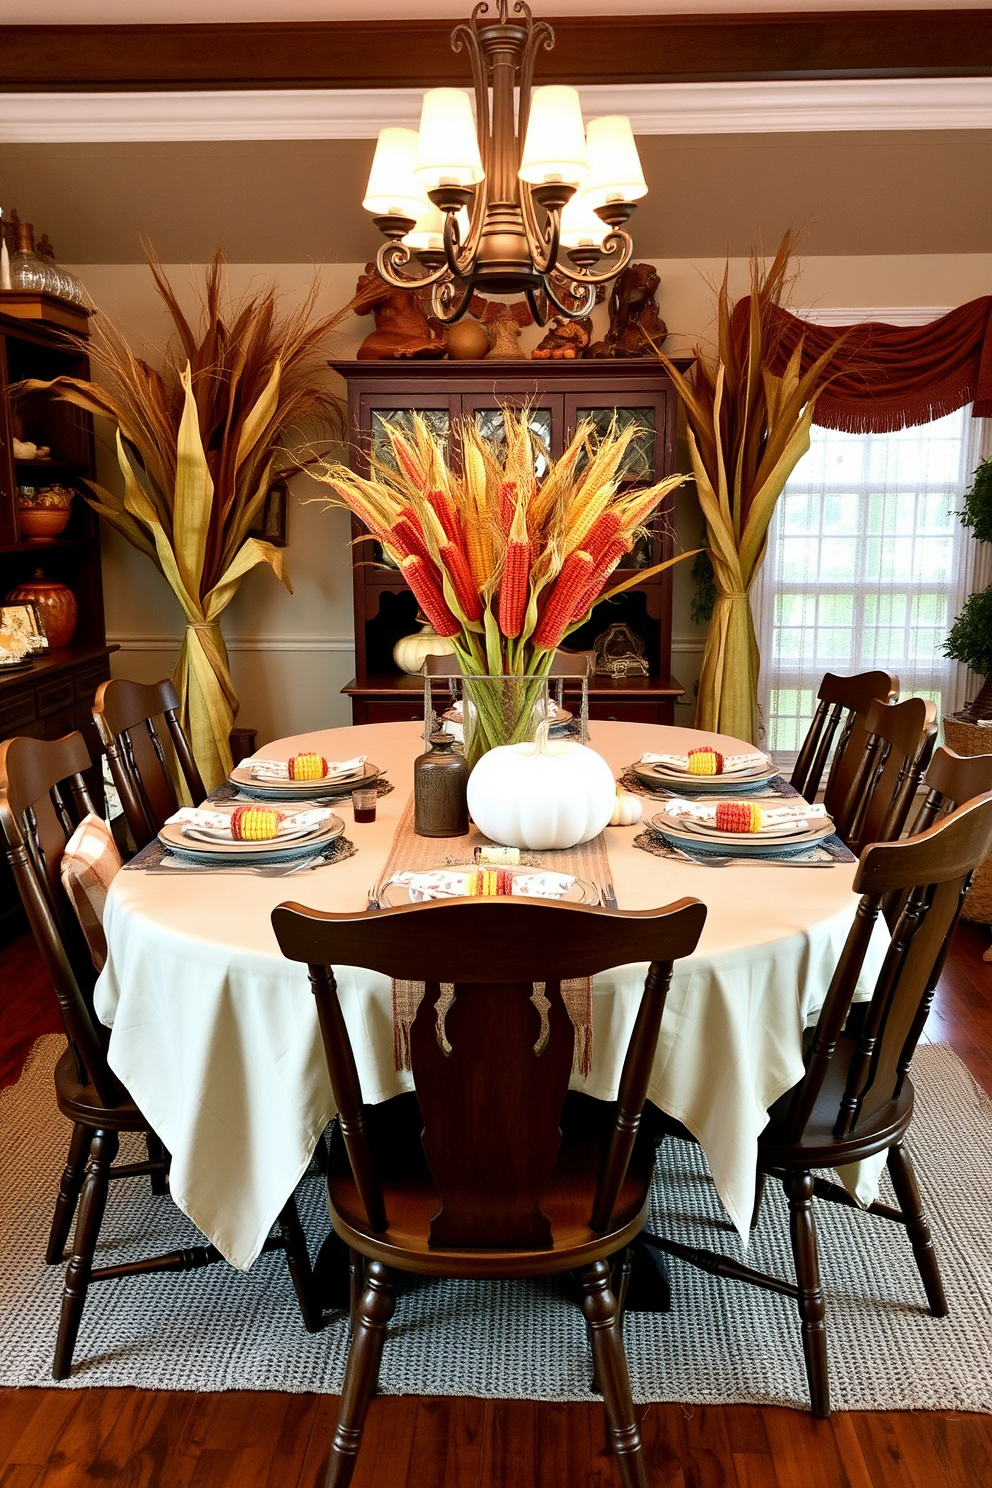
(56, 606)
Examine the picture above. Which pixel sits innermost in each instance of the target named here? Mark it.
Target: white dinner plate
(778, 831)
(664, 779)
(396, 895)
(738, 844)
(173, 836)
(302, 790)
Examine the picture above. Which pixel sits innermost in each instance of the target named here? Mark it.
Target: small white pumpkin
(627, 809)
(410, 651)
(524, 796)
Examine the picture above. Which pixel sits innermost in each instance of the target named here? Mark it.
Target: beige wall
(291, 654)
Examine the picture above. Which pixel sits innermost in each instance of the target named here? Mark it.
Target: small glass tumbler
(363, 801)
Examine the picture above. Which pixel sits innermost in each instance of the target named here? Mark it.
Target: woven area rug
(722, 1342)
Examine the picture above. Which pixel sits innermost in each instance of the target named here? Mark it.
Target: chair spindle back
(897, 751)
(930, 872)
(837, 694)
(125, 714)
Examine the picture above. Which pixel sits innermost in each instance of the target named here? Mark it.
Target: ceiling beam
(396, 54)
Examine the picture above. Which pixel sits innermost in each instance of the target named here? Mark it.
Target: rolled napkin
(720, 813)
(304, 767)
(248, 823)
(706, 762)
(482, 882)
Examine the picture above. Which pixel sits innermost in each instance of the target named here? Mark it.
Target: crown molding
(417, 53)
(661, 109)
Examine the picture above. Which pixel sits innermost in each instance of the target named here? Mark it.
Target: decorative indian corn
(738, 816)
(255, 823)
(705, 762)
(516, 573)
(503, 562)
(307, 767)
(429, 596)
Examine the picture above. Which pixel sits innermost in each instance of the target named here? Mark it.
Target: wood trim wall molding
(396, 54)
(663, 109)
(128, 641)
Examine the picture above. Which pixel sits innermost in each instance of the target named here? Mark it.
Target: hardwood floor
(149, 1439)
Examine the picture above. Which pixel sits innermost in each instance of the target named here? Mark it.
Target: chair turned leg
(298, 1260)
(759, 1194)
(156, 1154)
(802, 1226)
(601, 1314)
(903, 1177)
(72, 1182)
(92, 1201)
(362, 1371)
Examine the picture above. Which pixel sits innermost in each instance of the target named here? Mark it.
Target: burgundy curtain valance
(885, 377)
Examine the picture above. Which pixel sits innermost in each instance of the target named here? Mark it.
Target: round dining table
(215, 1034)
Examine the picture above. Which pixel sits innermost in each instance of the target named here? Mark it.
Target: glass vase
(501, 710)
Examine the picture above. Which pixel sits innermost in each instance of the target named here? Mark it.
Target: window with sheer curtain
(867, 567)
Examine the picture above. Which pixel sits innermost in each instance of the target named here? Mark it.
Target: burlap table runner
(410, 853)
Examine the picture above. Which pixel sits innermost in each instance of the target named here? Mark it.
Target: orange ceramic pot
(43, 521)
(56, 606)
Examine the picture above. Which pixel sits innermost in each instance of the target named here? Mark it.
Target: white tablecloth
(215, 1034)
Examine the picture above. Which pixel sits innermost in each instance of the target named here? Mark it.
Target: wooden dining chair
(898, 749)
(496, 1172)
(856, 1098)
(42, 798)
(125, 714)
(837, 695)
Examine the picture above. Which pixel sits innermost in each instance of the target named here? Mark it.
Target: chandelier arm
(584, 306)
(539, 34)
(444, 297)
(537, 301)
(455, 265)
(466, 35)
(543, 247)
(618, 247)
(395, 256)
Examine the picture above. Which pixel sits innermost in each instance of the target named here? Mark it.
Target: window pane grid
(865, 569)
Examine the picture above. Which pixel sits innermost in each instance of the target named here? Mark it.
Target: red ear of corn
(405, 534)
(601, 570)
(507, 503)
(444, 510)
(460, 575)
(570, 585)
(429, 595)
(605, 530)
(513, 588)
(407, 463)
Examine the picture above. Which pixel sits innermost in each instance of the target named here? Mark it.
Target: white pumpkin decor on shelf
(410, 651)
(549, 794)
(627, 809)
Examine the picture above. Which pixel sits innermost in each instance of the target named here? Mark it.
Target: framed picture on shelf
(25, 621)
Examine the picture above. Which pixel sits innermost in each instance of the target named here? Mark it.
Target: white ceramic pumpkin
(524, 796)
(627, 809)
(410, 651)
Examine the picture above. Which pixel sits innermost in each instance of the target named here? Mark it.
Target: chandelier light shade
(487, 203)
(555, 147)
(447, 145)
(615, 173)
(392, 191)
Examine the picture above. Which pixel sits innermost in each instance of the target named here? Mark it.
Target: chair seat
(80, 1103)
(411, 1198)
(819, 1147)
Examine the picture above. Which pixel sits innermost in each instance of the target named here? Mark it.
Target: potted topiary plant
(970, 639)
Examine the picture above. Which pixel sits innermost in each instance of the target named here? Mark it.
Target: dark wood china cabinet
(53, 695)
(560, 395)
